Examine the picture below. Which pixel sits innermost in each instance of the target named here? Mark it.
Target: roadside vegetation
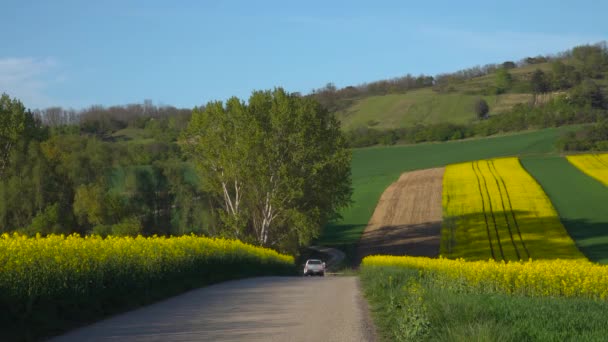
(50, 284)
(421, 299)
(556, 295)
(146, 196)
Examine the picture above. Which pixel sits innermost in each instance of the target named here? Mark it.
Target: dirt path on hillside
(407, 219)
(255, 309)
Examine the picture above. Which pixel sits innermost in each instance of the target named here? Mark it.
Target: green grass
(408, 307)
(130, 133)
(423, 106)
(374, 169)
(133, 136)
(580, 201)
(426, 106)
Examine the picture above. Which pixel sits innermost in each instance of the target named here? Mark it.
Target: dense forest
(66, 171)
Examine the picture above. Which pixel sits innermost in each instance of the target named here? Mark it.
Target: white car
(314, 267)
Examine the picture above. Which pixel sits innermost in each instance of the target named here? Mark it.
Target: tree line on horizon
(576, 97)
(337, 99)
(589, 63)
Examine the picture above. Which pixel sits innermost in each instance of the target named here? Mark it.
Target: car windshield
(314, 262)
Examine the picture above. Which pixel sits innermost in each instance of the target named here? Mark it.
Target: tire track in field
(492, 169)
(485, 185)
(483, 208)
(599, 159)
(511, 210)
(450, 226)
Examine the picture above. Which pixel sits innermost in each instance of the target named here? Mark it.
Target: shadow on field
(343, 237)
(467, 236)
(425, 239)
(413, 239)
(591, 238)
(341, 234)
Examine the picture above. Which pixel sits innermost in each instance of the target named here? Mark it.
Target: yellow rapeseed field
(595, 165)
(546, 278)
(58, 265)
(493, 209)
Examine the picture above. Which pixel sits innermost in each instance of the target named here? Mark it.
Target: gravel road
(255, 309)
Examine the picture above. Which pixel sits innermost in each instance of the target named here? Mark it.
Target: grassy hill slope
(422, 106)
(427, 106)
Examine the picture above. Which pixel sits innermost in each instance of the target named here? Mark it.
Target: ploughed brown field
(407, 219)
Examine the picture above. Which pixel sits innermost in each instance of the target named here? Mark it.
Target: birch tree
(217, 139)
(278, 166)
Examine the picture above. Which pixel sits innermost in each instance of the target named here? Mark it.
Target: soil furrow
(511, 210)
(407, 218)
(485, 215)
(485, 186)
(492, 168)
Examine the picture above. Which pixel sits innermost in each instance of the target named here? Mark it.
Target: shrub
(53, 283)
(128, 227)
(481, 109)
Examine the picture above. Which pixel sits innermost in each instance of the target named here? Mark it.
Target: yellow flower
(493, 209)
(595, 165)
(52, 264)
(545, 278)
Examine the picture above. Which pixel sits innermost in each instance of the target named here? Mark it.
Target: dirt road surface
(255, 309)
(407, 219)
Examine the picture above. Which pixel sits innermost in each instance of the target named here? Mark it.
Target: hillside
(429, 106)
(422, 106)
(536, 92)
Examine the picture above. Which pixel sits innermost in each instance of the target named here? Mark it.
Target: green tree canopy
(278, 165)
(481, 109)
(539, 82)
(509, 65)
(504, 81)
(593, 59)
(12, 124)
(588, 93)
(564, 76)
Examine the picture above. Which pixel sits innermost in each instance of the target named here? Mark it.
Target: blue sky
(185, 53)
